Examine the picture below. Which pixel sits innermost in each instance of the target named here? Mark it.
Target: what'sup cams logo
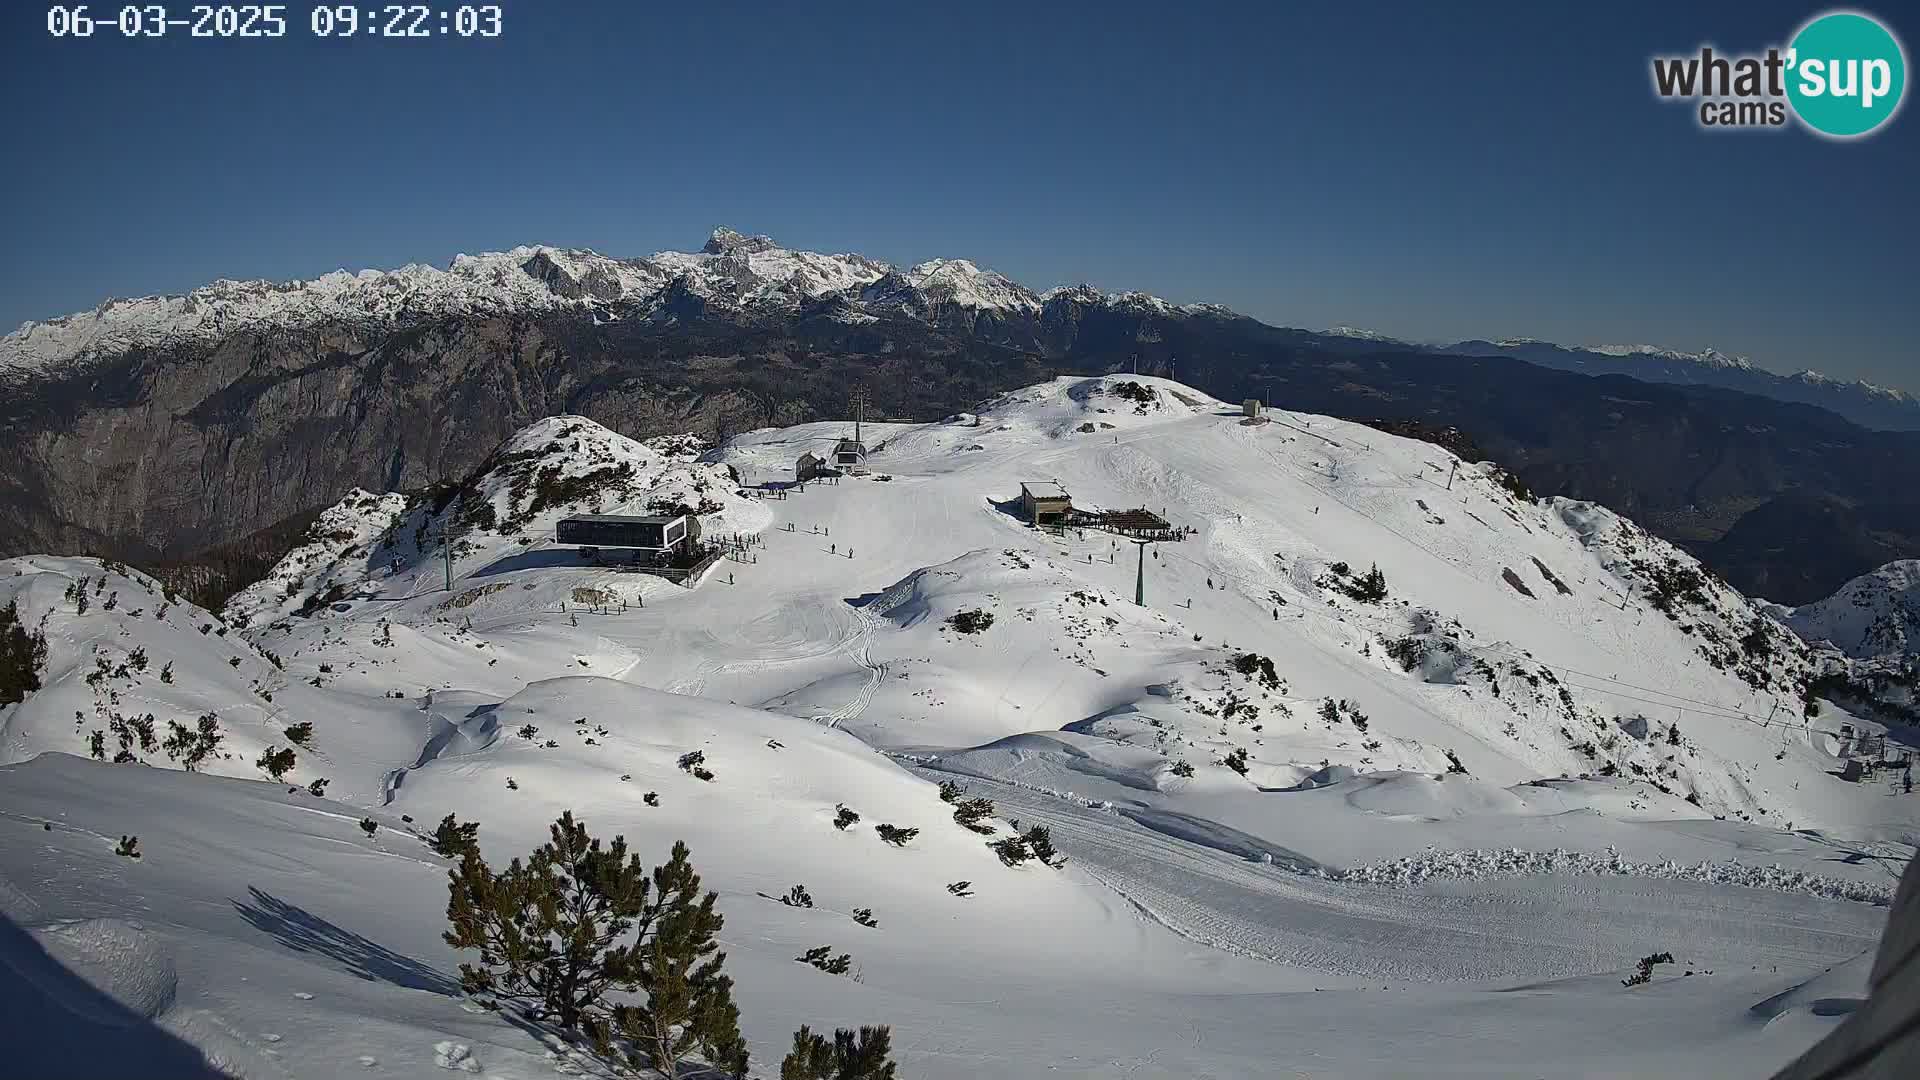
(1842, 76)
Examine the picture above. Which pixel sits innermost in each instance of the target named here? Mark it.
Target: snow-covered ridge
(389, 545)
(1362, 334)
(1709, 356)
(1875, 615)
(731, 269)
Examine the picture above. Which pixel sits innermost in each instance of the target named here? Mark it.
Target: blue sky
(1436, 171)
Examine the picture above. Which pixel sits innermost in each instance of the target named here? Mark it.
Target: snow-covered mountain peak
(1709, 356)
(370, 545)
(1873, 616)
(959, 281)
(1362, 334)
(725, 241)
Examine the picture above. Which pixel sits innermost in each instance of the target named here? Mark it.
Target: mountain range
(153, 429)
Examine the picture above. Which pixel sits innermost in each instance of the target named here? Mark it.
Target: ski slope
(1465, 808)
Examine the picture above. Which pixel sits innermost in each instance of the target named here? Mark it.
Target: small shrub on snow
(1453, 763)
(277, 762)
(651, 798)
(798, 896)
(1253, 665)
(129, 847)
(694, 764)
(961, 889)
(950, 791)
(369, 826)
(972, 814)
(821, 956)
(301, 734)
(318, 789)
(895, 835)
(864, 916)
(971, 621)
(1035, 843)
(1181, 768)
(1012, 850)
(1643, 974)
(1040, 841)
(192, 747)
(1236, 760)
(844, 817)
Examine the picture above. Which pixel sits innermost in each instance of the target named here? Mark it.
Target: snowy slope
(1460, 809)
(137, 667)
(389, 547)
(1874, 615)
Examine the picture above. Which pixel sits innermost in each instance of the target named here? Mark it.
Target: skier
(830, 550)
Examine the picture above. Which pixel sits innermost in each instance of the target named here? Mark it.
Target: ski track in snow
(1173, 911)
(1379, 922)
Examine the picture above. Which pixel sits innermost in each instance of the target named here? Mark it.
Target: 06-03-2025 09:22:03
(264, 21)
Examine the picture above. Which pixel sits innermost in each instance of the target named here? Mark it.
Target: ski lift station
(651, 535)
(849, 453)
(1045, 502)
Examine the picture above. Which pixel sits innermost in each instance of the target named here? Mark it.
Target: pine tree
(689, 1003)
(547, 927)
(865, 1056)
(454, 839)
(576, 920)
(21, 657)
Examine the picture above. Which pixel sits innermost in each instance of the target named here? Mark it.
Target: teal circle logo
(1846, 74)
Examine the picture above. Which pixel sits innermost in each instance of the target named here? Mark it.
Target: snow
(1362, 334)
(737, 269)
(1343, 902)
(1875, 615)
(1710, 357)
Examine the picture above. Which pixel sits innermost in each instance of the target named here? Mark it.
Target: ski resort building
(656, 535)
(1251, 407)
(1139, 524)
(809, 466)
(1045, 502)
